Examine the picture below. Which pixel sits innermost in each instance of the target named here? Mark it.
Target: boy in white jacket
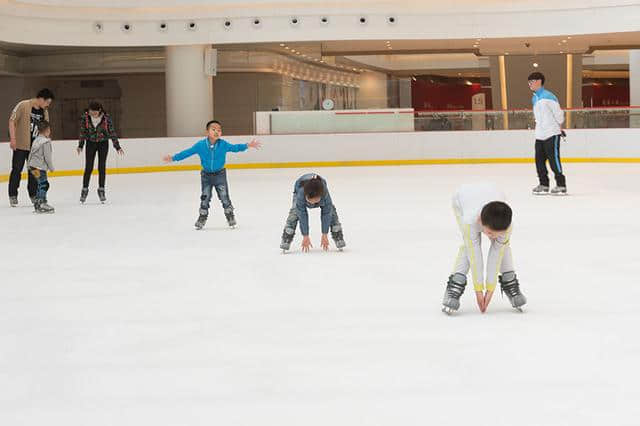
(40, 162)
(549, 118)
(480, 209)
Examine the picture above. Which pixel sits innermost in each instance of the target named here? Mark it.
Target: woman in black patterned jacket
(96, 128)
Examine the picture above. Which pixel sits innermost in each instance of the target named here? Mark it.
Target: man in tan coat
(23, 129)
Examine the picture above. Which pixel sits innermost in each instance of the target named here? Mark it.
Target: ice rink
(123, 314)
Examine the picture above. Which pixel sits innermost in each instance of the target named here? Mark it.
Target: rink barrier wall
(300, 165)
(353, 150)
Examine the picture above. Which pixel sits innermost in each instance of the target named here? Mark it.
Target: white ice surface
(123, 314)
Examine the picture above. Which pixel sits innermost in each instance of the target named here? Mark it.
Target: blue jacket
(301, 203)
(212, 157)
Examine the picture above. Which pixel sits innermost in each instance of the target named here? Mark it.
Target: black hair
(213, 122)
(45, 94)
(43, 125)
(536, 76)
(313, 188)
(496, 215)
(95, 106)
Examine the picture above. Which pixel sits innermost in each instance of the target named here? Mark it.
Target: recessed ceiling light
(564, 41)
(535, 65)
(281, 44)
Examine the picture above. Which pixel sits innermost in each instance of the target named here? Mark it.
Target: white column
(189, 91)
(634, 84)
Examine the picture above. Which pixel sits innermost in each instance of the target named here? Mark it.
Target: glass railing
(407, 120)
(583, 118)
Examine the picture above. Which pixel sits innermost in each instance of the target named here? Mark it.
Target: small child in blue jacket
(311, 191)
(212, 151)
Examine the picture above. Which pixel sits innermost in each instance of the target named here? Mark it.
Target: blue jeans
(43, 187)
(217, 180)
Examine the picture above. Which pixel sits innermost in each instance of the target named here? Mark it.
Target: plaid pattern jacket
(99, 134)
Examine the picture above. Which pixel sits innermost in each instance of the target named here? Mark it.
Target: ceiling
(483, 47)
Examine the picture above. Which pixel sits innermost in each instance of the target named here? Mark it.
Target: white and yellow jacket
(468, 202)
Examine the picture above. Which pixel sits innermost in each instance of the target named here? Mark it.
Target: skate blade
(519, 310)
(541, 193)
(448, 310)
(284, 251)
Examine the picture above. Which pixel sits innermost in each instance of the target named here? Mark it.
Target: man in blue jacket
(311, 191)
(212, 151)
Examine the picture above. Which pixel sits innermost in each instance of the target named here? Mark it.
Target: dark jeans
(549, 149)
(292, 221)
(43, 186)
(102, 149)
(217, 180)
(17, 164)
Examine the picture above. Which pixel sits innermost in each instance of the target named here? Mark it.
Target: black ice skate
(43, 207)
(231, 219)
(83, 195)
(101, 195)
(455, 288)
(338, 238)
(202, 219)
(510, 286)
(287, 238)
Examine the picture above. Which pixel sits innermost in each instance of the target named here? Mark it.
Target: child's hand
(121, 152)
(480, 300)
(256, 144)
(324, 242)
(79, 150)
(306, 244)
(167, 159)
(487, 299)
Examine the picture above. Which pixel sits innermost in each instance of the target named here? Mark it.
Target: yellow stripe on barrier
(309, 164)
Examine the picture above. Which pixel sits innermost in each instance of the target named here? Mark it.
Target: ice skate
(559, 190)
(231, 219)
(102, 195)
(287, 238)
(540, 190)
(83, 195)
(338, 238)
(202, 219)
(43, 207)
(455, 288)
(510, 286)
